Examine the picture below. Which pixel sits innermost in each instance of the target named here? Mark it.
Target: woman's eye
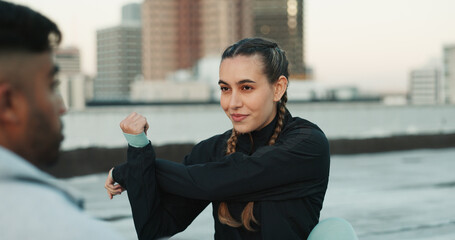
(224, 89)
(247, 88)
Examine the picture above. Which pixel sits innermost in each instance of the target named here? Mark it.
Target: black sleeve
(155, 213)
(299, 160)
(118, 174)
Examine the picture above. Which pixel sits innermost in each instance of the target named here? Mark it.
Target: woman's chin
(242, 129)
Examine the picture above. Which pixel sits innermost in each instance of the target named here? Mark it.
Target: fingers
(134, 124)
(111, 187)
(146, 127)
(114, 190)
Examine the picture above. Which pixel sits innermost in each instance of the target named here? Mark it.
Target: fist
(134, 124)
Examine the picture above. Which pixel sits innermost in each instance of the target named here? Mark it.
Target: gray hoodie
(35, 205)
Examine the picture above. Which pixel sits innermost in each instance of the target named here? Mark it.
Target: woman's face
(247, 97)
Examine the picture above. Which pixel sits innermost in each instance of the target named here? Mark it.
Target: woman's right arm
(155, 213)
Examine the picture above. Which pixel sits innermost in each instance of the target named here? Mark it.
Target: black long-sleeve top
(287, 181)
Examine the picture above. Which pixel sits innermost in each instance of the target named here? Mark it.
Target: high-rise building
(131, 13)
(68, 60)
(449, 73)
(176, 33)
(188, 33)
(283, 21)
(424, 86)
(119, 57)
(159, 28)
(223, 23)
(73, 82)
(118, 61)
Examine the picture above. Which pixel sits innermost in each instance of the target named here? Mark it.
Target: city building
(68, 60)
(74, 90)
(119, 58)
(301, 91)
(131, 13)
(170, 91)
(73, 83)
(176, 33)
(283, 21)
(449, 73)
(223, 23)
(425, 86)
(207, 71)
(159, 37)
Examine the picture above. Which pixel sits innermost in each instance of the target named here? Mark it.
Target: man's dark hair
(22, 29)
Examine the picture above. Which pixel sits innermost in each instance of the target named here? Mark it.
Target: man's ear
(280, 88)
(8, 113)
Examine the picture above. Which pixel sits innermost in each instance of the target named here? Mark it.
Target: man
(34, 205)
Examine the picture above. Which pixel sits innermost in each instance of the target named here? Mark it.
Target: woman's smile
(236, 117)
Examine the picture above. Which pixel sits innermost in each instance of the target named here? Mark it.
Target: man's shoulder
(31, 210)
(33, 194)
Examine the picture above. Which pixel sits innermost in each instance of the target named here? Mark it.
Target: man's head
(30, 106)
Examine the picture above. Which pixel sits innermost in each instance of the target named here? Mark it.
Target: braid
(225, 217)
(232, 142)
(247, 216)
(281, 113)
(223, 212)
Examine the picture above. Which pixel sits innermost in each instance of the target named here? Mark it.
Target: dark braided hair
(275, 66)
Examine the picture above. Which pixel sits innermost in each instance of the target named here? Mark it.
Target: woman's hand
(134, 124)
(112, 188)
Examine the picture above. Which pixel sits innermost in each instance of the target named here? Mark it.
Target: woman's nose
(236, 100)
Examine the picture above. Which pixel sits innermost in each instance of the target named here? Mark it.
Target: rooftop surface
(395, 195)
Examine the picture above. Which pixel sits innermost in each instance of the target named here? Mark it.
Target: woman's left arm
(300, 159)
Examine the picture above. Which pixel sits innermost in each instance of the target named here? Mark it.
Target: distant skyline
(370, 44)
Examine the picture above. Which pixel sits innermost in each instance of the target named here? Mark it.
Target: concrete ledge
(96, 160)
(393, 143)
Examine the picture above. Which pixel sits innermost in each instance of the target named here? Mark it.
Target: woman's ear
(280, 88)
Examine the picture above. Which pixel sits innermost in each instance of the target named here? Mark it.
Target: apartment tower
(223, 23)
(176, 33)
(424, 86)
(449, 73)
(69, 60)
(119, 57)
(283, 21)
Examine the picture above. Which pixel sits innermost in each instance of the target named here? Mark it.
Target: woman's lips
(238, 117)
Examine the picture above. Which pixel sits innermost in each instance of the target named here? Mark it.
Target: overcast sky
(372, 44)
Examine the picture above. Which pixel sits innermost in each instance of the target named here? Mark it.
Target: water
(99, 126)
(406, 195)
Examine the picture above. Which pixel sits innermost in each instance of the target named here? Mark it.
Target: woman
(266, 177)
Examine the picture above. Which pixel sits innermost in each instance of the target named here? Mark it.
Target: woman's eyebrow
(222, 82)
(245, 81)
(238, 83)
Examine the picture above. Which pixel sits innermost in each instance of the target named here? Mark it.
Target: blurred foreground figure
(34, 205)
